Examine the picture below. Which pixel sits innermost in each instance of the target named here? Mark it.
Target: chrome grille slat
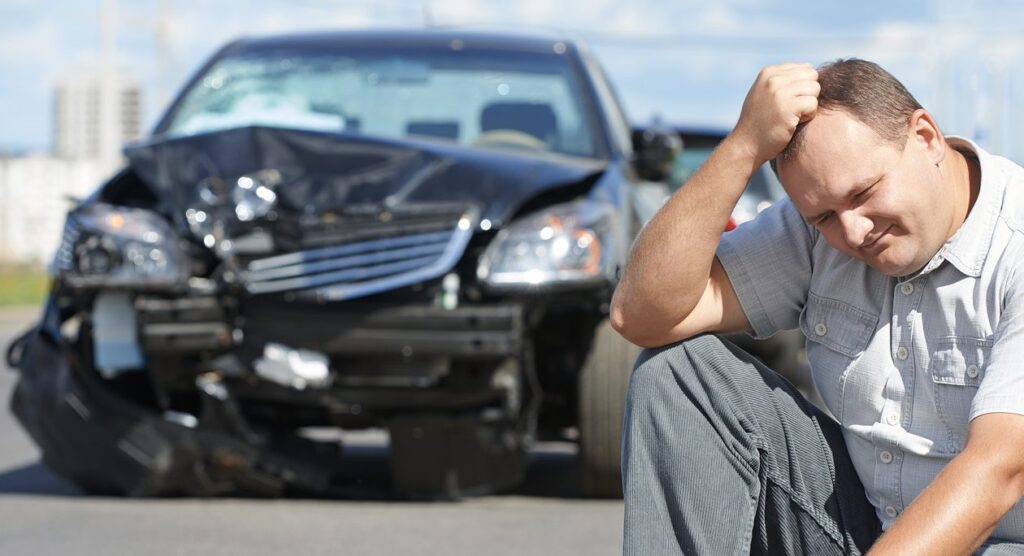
(321, 237)
(325, 265)
(365, 267)
(350, 275)
(348, 249)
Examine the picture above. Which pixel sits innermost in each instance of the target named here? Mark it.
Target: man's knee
(683, 395)
(666, 371)
(653, 368)
(701, 377)
(655, 365)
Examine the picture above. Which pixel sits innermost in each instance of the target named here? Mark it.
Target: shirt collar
(969, 246)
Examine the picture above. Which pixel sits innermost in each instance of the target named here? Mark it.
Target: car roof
(534, 41)
(703, 134)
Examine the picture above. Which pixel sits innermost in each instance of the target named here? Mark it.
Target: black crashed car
(418, 231)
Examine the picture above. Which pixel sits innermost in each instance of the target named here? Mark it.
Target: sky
(685, 62)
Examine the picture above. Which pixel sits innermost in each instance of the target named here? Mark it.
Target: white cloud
(893, 39)
(605, 16)
(16, 5)
(523, 13)
(27, 47)
(718, 18)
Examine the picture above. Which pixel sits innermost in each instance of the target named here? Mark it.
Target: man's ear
(925, 133)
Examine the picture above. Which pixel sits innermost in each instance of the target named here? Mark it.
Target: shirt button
(902, 353)
(890, 511)
(972, 371)
(907, 288)
(885, 456)
(892, 418)
(820, 329)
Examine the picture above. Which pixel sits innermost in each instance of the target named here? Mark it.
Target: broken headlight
(109, 246)
(572, 243)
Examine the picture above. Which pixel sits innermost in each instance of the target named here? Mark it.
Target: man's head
(865, 170)
(866, 92)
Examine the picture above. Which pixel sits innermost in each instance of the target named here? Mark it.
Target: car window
(687, 163)
(480, 97)
(762, 190)
(763, 184)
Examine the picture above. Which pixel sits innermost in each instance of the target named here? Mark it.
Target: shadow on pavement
(551, 474)
(364, 477)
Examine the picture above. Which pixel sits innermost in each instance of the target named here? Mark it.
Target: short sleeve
(769, 263)
(1002, 386)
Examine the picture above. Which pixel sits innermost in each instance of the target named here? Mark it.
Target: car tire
(603, 382)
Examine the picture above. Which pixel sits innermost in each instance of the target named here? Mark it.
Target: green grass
(23, 284)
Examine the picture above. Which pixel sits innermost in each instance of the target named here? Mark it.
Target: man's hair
(866, 92)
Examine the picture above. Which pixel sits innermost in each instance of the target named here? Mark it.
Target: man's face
(869, 198)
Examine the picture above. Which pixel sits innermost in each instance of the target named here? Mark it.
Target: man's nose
(856, 227)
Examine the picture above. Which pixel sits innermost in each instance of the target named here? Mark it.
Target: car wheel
(603, 382)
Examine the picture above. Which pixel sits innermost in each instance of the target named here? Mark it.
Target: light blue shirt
(903, 364)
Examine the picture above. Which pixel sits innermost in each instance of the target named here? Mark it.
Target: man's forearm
(671, 259)
(962, 506)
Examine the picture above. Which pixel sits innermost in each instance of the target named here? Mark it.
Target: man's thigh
(703, 399)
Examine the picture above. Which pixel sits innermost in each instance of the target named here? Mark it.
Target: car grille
(394, 257)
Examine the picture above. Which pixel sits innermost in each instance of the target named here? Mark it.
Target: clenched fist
(782, 97)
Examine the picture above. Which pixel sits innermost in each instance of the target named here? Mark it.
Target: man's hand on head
(782, 97)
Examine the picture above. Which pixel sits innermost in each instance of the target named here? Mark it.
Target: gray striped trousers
(721, 455)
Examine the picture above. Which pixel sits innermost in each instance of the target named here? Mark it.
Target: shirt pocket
(837, 333)
(957, 368)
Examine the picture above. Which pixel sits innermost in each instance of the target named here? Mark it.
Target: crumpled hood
(325, 172)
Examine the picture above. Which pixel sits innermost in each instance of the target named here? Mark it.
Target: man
(898, 254)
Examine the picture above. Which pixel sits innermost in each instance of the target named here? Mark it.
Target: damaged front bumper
(106, 444)
(238, 439)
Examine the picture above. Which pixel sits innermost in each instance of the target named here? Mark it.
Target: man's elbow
(635, 329)
(623, 325)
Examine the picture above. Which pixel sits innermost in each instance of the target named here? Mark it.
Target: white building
(93, 118)
(35, 191)
(82, 129)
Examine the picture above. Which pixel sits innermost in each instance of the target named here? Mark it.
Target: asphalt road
(42, 514)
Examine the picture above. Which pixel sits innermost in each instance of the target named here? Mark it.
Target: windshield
(485, 98)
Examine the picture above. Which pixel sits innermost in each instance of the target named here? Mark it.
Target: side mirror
(654, 153)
